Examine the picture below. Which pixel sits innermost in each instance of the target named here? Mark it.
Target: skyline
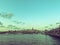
(26, 14)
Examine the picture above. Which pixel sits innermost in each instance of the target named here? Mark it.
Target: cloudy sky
(30, 13)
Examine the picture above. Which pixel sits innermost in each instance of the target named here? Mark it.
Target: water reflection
(28, 39)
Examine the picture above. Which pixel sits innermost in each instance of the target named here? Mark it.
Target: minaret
(32, 28)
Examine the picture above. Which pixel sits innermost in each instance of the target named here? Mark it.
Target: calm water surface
(28, 39)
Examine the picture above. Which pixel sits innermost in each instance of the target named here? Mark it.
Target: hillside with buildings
(54, 32)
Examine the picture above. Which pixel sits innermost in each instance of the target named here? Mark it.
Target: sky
(26, 14)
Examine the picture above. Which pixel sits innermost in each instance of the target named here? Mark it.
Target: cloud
(7, 16)
(1, 23)
(12, 27)
(19, 22)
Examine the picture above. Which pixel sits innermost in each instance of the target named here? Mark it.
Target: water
(28, 39)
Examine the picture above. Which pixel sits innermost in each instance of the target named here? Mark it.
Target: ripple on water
(28, 39)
